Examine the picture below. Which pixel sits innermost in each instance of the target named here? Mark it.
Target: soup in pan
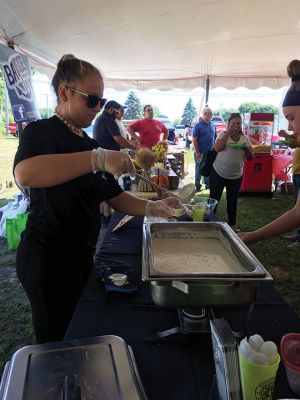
(192, 255)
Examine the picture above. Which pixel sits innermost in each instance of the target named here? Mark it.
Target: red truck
(13, 128)
(219, 123)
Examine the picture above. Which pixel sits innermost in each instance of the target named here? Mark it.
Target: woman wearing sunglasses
(68, 176)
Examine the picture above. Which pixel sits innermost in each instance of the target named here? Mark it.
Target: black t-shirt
(68, 213)
(104, 130)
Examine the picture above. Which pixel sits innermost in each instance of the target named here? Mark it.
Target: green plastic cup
(198, 212)
(258, 381)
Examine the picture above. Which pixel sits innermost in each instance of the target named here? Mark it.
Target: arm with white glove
(55, 169)
(129, 204)
(114, 162)
(162, 208)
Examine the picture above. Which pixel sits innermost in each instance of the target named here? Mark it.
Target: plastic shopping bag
(14, 228)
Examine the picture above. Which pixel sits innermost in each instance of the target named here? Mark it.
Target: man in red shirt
(149, 130)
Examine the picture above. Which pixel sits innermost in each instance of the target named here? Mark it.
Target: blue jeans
(296, 185)
(198, 165)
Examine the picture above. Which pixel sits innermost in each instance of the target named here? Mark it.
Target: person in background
(123, 129)
(106, 131)
(294, 144)
(68, 175)
(291, 219)
(188, 136)
(227, 171)
(204, 135)
(119, 122)
(148, 131)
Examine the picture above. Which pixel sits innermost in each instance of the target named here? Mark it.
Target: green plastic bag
(14, 228)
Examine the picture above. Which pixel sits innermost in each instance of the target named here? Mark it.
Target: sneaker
(235, 228)
(294, 246)
(290, 237)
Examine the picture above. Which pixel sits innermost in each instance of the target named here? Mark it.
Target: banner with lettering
(17, 77)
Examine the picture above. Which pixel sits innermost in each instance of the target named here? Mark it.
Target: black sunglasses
(92, 99)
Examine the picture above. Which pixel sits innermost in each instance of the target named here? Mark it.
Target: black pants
(53, 284)
(217, 185)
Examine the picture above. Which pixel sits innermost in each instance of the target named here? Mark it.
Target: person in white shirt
(232, 146)
(119, 122)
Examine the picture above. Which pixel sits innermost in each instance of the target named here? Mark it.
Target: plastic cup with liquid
(208, 202)
(198, 212)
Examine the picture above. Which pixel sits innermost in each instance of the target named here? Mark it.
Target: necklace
(77, 131)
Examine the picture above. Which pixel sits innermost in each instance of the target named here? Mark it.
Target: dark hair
(234, 115)
(70, 69)
(293, 71)
(147, 105)
(292, 96)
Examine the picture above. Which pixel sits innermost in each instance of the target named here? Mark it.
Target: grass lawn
(15, 320)
(8, 148)
(283, 264)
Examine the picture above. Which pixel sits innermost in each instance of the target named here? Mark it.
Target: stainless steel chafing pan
(201, 287)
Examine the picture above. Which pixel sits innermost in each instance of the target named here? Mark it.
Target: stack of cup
(259, 362)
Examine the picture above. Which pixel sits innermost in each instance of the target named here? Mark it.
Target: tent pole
(6, 109)
(207, 90)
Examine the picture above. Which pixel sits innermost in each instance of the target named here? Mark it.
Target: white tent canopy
(160, 44)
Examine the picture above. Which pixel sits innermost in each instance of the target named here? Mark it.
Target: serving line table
(177, 367)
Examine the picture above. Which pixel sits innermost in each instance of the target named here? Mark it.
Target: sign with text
(17, 77)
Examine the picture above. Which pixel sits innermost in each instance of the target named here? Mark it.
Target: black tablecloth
(177, 366)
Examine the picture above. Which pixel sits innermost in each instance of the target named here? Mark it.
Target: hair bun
(293, 69)
(66, 57)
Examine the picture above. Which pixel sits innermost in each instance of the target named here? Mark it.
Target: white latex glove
(114, 162)
(162, 208)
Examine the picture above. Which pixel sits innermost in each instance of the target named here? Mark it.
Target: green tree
(2, 95)
(133, 107)
(156, 111)
(268, 108)
(2, 105)
(257, 107)
(2, 100)
(177, 121)
(225, 112)
(46, 112)
(189, 113)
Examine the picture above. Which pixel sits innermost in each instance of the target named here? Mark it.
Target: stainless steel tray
(203, 288)
(249, 266)
(102, 367)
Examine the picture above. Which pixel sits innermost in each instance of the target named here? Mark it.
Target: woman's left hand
(162, 208)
